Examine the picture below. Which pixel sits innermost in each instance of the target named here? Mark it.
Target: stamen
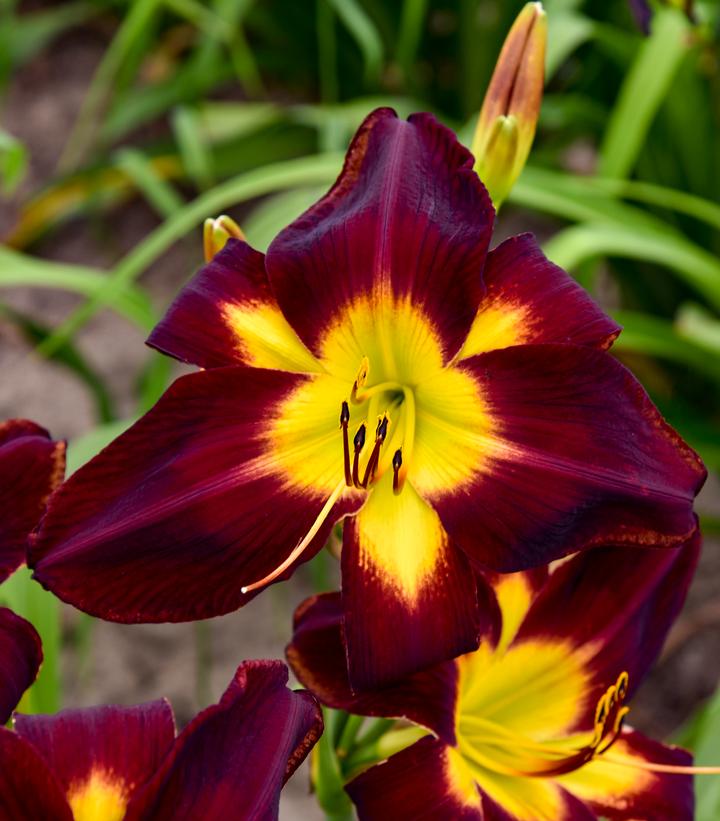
(396, 464)
(300, 548)
(360, 380)
(380, 435)
(344, 420)
(358, 444)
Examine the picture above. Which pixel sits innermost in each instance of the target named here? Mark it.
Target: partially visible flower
(20, 659)
(216, 233)
(113, 763)
(31, 467)
(531, 726)
(457, 404)
(509, 114)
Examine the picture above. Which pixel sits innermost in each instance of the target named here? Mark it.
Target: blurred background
(125, 123)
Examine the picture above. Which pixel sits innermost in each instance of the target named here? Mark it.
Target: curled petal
(406, 222)
(31, 467)
(227, 315)
(20, 659)
(233, 758)
(317, 657)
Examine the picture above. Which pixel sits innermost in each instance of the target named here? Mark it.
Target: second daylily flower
(379, 364)
(531, 726)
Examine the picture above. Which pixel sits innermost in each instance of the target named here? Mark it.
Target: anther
(360, 380)
(344, 420)
(358, 444)
(380, 435)
(396, 465)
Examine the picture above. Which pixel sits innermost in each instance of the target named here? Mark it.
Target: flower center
(394, 398)
(490, 746)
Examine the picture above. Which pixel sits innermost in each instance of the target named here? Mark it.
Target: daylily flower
(112, 763)
(20, 659)
(31, 467)
(378, 363)
(530, 727)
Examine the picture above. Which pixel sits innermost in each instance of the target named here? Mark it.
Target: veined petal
(317, 656)
(233, 758)
(227, 315)
(530, 300)
(28, 789)
(407, 221)
(425, 782)
(20, 659)
(576, 455)
(623, 602)
(31, 467)
(101, 755)
(620, 792)
(206, 494)
(409, 595)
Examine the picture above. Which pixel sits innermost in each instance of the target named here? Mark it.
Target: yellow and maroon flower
(31, 467)
(20, 659)
(113, 763)
(380, 364)
(530, 727)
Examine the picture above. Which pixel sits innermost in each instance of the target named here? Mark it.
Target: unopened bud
(506, 125)
(216, 232)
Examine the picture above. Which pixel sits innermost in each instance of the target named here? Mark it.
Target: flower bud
(216, 232)
(506, 125)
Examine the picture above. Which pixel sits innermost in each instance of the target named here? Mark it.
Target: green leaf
(272, 215)
(20, 270)
(196, 158)
(83, 448)
(707, 753)
(695, 266)
(366, 35)
(13, 162)
(643, 91)
(144, 175)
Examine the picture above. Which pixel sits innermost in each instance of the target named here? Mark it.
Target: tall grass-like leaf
(643, 91)
(164, 199)
(361, 27)
(414, 14)
(300, 172)
(13, 162)
(691, 263)
(20, 270)
(195, 155)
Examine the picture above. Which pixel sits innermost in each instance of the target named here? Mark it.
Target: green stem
(346, 741)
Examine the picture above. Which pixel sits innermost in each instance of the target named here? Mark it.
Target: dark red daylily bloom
(115, 763)
(31, 467)
(20, 659)
(530, 726)
(378, 363)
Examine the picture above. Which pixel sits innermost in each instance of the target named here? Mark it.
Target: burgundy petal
(115, 748)
(408, 217)
(28, 790)
(31, 467)
(409, 594)
(233, 758)
(227, 315)
(184, 509)
(20, 659)
(423, 782)
(579, 457)
(317, 657)
(621, 793)
(623, 602)
(530, 300)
